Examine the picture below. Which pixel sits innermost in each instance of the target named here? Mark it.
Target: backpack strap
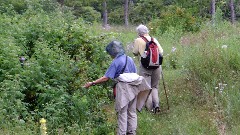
(152, 39)
(145, 39)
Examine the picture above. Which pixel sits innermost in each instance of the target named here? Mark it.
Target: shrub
(60, 55)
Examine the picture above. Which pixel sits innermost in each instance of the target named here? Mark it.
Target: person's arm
(136, 47)
(100, 80)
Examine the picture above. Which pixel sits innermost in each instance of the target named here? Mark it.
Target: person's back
(119, 63)
(140, 45)
(151, 75)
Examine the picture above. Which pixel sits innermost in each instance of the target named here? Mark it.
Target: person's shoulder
(138, 39)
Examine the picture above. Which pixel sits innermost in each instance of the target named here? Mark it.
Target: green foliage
(18, 6)
(21, 6)
(175, 17)
(61, 55)
(145, 11)
(89, 10)
(89, 14)
(115, 17)
(218, 18)
(198, 8)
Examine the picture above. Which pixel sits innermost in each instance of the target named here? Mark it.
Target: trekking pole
(164, 87)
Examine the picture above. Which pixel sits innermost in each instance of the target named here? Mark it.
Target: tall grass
(212, 59)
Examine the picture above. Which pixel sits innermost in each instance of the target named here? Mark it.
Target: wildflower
(173, 49)
(43, 126)
(221, 87)
(224, 46)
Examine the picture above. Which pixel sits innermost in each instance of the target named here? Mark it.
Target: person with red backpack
(150, 52)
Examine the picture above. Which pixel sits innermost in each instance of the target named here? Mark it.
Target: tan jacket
(140, 45)
(127, 91)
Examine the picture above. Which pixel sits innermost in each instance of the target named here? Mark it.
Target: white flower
(221, 87)
(173, 49)
(224, 46)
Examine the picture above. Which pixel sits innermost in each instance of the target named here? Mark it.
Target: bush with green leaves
(61, 54)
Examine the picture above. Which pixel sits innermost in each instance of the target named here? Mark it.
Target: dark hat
(115, 48)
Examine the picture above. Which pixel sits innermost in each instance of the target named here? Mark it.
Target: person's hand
(88, 84)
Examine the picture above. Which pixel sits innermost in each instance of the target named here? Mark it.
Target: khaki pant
(127, 119)
(153, 77)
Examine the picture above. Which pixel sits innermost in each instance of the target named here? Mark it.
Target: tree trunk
(126, 12)
(233, 16)
(213, 10)
(105, 16)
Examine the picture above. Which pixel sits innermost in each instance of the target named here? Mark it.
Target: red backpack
(152, 58)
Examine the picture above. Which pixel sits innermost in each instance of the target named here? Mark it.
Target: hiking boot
(131, 133)
(156, 110)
